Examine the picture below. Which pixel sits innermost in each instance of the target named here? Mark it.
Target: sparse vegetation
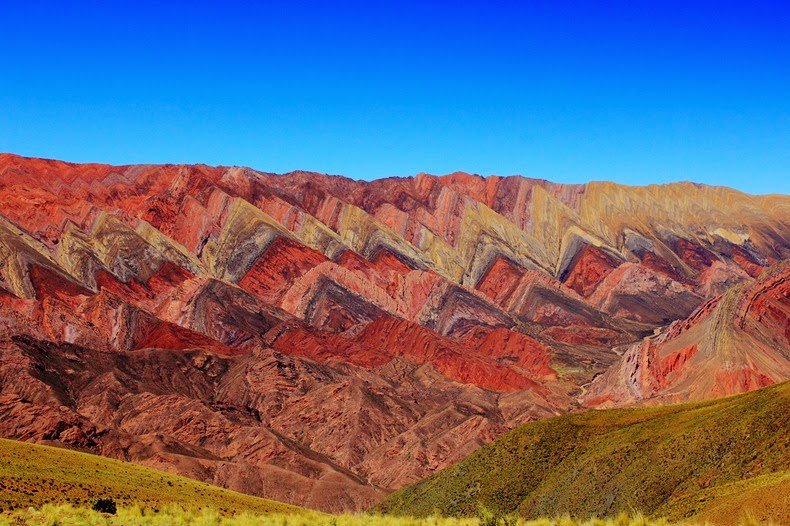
(712, 460)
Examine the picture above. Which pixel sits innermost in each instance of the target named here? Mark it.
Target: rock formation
(733, 343)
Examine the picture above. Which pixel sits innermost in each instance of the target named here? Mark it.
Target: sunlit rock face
(733, 343)
(322, 341)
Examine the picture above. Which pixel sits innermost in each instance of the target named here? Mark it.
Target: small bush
(105, 506)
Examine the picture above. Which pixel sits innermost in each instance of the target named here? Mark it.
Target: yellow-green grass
(676, 461)
(67, 515)
(34, 475)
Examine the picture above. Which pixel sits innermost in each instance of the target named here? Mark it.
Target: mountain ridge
(345, 325)
(458, 173)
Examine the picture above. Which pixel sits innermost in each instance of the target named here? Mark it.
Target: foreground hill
(713, 459)
(323, 341)
(34, 475)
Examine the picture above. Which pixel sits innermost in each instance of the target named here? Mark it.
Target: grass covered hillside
(33, 475)
(714, 459)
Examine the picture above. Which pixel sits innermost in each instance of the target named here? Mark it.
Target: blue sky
(636, 92)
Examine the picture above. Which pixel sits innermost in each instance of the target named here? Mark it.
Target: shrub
(105, 506)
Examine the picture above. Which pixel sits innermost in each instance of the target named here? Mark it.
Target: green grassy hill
(34, 475)
(713, 459)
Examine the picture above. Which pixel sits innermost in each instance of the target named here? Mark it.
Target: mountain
(704, 460)
(33, 475)
(324, 341)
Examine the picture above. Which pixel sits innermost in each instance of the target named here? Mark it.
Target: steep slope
(357, 336)
(32, 475)
(665, 460)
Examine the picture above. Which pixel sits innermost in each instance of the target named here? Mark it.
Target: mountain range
(324, 341)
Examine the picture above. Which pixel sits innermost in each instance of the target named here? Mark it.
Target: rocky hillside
(323, 341)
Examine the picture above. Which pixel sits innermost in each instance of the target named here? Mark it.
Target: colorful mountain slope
(357, 336)
(676, 460)
(732, 343)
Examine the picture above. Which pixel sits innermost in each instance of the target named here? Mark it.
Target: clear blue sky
(636, 92)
